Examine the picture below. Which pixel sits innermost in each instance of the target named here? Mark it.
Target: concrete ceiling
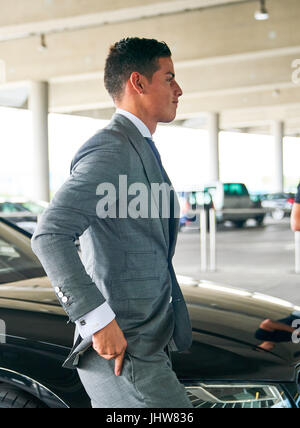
(225, 60)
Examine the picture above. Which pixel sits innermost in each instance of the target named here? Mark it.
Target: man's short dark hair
(132, 55)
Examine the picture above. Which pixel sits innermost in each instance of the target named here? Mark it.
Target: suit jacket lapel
(151, 167)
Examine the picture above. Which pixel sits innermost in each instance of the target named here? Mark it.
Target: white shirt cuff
(95, 320)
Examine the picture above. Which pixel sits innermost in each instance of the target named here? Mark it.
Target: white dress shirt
(100, 317)
(137, 122)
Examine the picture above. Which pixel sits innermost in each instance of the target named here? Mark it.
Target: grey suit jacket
(125, 261)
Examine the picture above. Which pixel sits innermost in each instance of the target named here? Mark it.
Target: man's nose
(178, 90)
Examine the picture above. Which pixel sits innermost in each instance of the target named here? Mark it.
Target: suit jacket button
(60, 294)
(64, 299)
(57, 289)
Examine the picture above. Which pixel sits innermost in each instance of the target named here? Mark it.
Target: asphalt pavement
(260, 259)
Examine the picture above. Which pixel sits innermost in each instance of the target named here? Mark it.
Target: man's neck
(136, 121)
(151, 124)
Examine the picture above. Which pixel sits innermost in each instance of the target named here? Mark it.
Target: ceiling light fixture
(262, 14)
(43, 45)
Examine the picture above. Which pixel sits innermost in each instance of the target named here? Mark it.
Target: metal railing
(204, 241)
(209, 259)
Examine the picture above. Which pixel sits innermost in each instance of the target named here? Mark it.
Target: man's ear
(136, 80)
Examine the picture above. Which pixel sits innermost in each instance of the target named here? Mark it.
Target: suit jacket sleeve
(70, 213)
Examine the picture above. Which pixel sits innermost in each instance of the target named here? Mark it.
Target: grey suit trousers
(145, 382)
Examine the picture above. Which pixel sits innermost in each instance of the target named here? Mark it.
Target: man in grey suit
(122, 293)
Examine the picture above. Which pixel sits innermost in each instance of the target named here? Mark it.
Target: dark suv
(235, 360)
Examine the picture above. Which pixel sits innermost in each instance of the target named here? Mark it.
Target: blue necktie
(156, 153)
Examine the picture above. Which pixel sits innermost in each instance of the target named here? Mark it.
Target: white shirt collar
(136, 121)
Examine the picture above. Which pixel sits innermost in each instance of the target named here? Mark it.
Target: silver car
(280, 204)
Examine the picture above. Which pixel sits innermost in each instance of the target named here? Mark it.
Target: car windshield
(277, 196)
(27, 206)
(33, 207)
(17, 262)
(199, 198)
(10, 207)
(235, 189)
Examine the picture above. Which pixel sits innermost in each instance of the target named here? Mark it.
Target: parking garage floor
(260, 259)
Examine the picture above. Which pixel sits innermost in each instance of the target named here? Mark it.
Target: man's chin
(168, 119)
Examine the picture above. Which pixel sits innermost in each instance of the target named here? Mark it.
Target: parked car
(233, 363)
(191, 202)
(233, 203)
(22, 212)
(22, 205)
(280, 204)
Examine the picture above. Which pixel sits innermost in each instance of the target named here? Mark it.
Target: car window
(9, 207)
(15, 264)
(33, 207)
(199, 198)
(211, 191)
(274, 196)
(235, 189)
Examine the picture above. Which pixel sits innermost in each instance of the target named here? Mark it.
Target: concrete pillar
(278, 133)
(213, 122)
(38, 103)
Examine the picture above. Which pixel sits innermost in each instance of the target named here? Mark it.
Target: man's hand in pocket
(110, 343)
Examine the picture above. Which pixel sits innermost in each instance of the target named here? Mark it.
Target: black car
(22, 212)
(242, 354)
